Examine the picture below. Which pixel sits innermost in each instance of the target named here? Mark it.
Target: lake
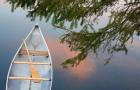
(122, 73)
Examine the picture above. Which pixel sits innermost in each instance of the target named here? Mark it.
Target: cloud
(2, 1)
(84, 70)
(135, 43)
(61, 52)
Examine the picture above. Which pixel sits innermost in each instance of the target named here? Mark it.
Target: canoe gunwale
(49, 56)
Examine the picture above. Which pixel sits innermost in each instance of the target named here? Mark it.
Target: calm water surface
(122, 73)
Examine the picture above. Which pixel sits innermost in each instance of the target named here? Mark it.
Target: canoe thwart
(28, 78)
(34, 53)
(34, 63)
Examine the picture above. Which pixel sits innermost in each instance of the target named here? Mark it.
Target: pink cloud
(84, 70)
(135, 43)
(2, 1)
(61, 52)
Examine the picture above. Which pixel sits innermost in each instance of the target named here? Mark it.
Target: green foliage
(124, 23)
(72, 11)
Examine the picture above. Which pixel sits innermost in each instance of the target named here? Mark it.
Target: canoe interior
(21, 66)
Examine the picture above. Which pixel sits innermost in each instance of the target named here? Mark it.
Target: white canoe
(31, 67)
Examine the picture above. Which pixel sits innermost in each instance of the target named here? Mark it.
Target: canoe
(31, 67)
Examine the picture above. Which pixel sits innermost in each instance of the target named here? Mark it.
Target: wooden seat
(34, 63)
(34, 53)
(28, 78)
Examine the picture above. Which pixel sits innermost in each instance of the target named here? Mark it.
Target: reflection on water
(85, 70)
(68, 15)
(121, 74)
(2, 1)
(82, 71)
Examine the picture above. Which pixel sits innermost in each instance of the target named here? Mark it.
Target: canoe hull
(21, 75)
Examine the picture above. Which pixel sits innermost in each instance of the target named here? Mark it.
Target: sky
(2, 1)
